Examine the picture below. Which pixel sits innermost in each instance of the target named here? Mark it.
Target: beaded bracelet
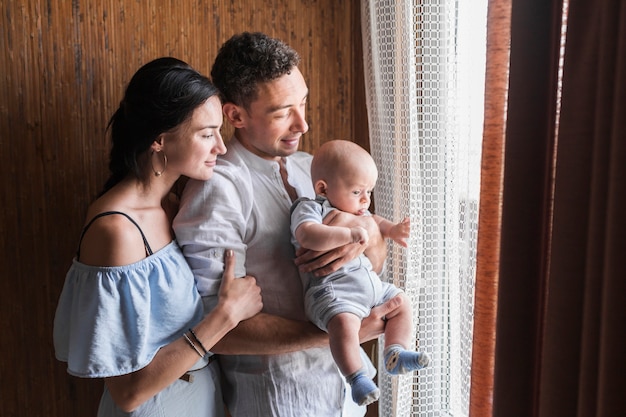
(193, 345)
(198, 340)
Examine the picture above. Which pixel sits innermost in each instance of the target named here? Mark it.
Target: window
(425, 66)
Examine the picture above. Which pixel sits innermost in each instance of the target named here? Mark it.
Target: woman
(129, 311)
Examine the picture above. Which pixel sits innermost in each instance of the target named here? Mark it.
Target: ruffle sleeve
(112, 320)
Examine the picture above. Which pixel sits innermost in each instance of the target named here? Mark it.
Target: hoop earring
(158, 173)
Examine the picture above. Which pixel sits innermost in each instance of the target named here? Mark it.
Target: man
(275, 363)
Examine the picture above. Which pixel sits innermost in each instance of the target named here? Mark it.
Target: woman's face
(197, 143)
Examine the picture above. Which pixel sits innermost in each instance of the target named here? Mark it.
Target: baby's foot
(364, 391)
(400, 361)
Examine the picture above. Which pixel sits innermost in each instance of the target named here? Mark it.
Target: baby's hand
(400, 232)
(359, 235)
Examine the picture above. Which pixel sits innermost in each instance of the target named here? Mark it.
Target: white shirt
(245, 207)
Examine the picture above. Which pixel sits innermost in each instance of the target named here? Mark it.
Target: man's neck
(250, 148)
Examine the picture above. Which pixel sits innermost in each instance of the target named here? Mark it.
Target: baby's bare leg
(399, 328)
(343, 332)
(399, 360)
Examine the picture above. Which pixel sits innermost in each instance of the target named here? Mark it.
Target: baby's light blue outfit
(354, 288)
(112, 321)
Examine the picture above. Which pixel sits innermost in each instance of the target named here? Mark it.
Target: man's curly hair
(248, 59)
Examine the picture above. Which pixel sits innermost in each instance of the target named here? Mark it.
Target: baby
(344, 175)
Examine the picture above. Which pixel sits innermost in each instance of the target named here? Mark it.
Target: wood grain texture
(63, 68)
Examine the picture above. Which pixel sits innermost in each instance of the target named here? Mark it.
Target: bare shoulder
(112, 240)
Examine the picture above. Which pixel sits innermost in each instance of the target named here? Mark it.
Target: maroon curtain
(560, 320)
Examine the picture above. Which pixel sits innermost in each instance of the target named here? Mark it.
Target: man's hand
(373, 325)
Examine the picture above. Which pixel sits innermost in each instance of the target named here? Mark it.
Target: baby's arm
(321, 237)
(398, 232)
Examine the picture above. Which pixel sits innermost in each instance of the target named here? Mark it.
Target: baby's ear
(320, 187)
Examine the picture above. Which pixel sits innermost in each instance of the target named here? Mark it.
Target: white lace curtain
(424, 73)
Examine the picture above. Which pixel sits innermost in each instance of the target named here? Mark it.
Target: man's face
(275, 122)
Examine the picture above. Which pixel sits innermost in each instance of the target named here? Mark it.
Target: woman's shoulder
(111, 237)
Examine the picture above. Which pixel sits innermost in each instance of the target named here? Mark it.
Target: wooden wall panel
(63, 68)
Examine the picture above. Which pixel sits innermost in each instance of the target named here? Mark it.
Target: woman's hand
(240, 297)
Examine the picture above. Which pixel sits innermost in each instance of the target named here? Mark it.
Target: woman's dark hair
(248, 59)
(159, 97)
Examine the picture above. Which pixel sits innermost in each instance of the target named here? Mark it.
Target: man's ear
(234, 114)
(320, 187)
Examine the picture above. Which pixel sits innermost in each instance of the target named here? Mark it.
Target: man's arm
(266, 334)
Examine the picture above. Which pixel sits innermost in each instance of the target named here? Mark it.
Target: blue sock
(400, 361)
(364, 391)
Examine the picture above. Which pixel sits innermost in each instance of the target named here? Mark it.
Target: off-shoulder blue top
(112, 320)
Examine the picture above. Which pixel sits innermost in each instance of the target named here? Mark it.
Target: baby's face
(351, 194)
